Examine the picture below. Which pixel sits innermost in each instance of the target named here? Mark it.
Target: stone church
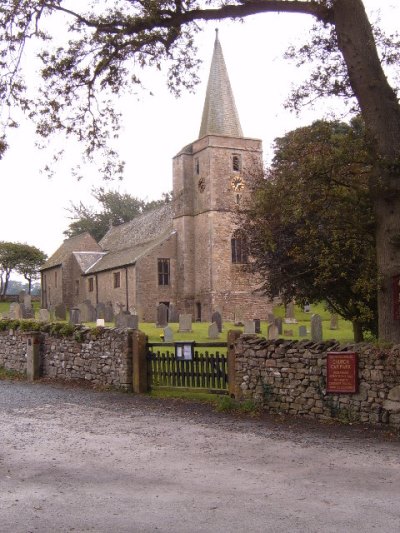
(187, 254)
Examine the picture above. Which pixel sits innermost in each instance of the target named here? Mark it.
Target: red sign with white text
(341, 372)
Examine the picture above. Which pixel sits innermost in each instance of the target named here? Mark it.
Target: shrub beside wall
(290, 377)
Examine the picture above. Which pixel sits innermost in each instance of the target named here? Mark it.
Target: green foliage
(226, 404)
(6, 373)
(21, 258)
(116, 208)
(310, 221)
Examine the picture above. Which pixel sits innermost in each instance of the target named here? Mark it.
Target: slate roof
(128, 242)
(220, 116)
(79, 243)
(87, 259)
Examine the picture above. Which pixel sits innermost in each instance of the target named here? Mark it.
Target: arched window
(239, 246)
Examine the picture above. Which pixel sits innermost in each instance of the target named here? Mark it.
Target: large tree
(116, 208)
(109, 43)
(21, 258)
(310, 222)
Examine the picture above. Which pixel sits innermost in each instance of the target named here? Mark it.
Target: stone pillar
(233, 335)
(140, 363)
(33, 355)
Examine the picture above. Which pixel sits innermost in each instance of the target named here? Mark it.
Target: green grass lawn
(200, 329)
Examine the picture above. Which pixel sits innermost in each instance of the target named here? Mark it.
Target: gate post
(32, 355)
(233, 334)
(139, 362)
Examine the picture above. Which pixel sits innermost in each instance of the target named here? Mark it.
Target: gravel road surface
(73, 459)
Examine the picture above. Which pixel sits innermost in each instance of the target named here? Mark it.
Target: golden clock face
(237, 183)
(201, 184)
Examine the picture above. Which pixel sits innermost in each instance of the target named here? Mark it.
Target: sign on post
(184, 350)
(341, 372)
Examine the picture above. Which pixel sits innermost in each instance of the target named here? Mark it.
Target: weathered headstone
(126, 320)
(108, 312)
(27, 301)
(88, 312)
(173, 315)
(100, 323)
(271, 318)
(74, 316)
(278, 323)
(168, 334)
(316, 328)
(60, 312)
(16, 311)
(272, 332)
(44, 315)
(162, 316)
(288, 332)
(289, 314)
(307, 307)
(257, 325)
(249, 327)
(100, 310)
(185, 323)
(213, 331)
(27, 309)
(217, 318)
(302, 331)
(21, 297)
(334, 324)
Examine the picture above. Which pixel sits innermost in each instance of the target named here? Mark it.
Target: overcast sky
(157, 127)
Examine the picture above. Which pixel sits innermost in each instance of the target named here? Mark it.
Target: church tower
(209, 181)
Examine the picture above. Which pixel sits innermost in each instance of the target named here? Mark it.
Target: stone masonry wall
(101, 357)
(290, 377)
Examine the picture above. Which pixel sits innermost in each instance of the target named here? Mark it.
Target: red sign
(341, 372)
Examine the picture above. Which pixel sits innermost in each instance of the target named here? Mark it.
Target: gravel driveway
(79, 460)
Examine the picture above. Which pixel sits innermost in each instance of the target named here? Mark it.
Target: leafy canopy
(310, 221)
(21, 258)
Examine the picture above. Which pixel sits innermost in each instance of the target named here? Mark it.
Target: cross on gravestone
(272, 332)
(162, 316)
(213, 331)
(185, 323)
(249, 327)
(316, 328)
(278, 323)
(302, 331)
(168, 334)
(217, 318)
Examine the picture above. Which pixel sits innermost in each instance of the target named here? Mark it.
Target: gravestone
(271, 318)
(21, 297)
(74, 316)
(288, 332)
(108, 312)
(16, 311)
(60, 312)
(257, 325)
(168, 334)
(162, 316)
(100, 323)
(88, 312)
(213, 331)
(316, 328)
(289, 314)
(217, 318)
(278, 323)
(125, 320)
(302, 331)
(249, 327)
(334, 321)
(27, 301)
(173, 315)
(26, 307)
(44, 315)
(185, 323)
(307, 307)
(100, 310)
(272, 332)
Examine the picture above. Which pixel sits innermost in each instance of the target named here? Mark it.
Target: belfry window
(236, 163)
(163, 271)
(239, 248)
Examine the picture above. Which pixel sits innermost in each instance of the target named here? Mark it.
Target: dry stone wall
(290, 377)
(100, 357)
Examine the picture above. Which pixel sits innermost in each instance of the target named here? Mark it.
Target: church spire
(220, 116)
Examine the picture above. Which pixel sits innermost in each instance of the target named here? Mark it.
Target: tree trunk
(357, 331)
(381, 112)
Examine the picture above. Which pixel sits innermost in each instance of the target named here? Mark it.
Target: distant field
(200, 329)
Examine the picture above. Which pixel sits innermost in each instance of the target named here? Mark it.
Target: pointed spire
(220, 116)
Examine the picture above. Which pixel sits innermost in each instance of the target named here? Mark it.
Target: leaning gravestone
(162, 316)
(334, 324)
(168, 334)
(316, 328)
(60, 312)
(74, 316)
(173, 315)
(272, 332)
(108, 312)
(16, 311)
(213, 331)
(185, 323)
(257, 325)
(217, 318)
(302, 331)
(44, 315)
(278, 323)
(249, 327)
